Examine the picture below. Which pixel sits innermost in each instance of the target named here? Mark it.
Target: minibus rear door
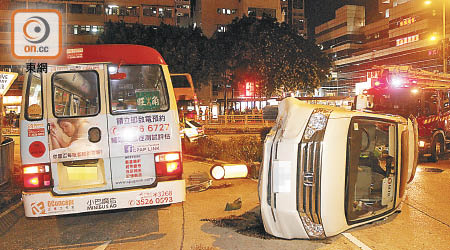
(77, 126)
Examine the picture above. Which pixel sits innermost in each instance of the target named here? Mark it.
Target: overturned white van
(327, 169)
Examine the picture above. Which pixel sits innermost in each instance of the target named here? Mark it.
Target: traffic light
(249, 89)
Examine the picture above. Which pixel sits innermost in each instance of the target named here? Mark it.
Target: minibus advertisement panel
(73, 139)
(143, 133)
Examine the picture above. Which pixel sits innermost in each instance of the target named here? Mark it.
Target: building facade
(183, 10)
(215, 15)
(84, 21)
(293, 13)
(408, 33)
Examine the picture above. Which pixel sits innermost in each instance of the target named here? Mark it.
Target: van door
(77, 125)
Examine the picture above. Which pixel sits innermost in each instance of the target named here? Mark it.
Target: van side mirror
(118, 76)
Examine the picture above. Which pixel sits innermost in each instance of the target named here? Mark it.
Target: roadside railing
(250, 123)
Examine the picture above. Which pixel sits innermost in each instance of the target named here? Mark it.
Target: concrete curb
(9, 217)
(10, 209)
(199, 158)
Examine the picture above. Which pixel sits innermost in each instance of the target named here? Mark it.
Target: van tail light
(37, 176)
(168, 166)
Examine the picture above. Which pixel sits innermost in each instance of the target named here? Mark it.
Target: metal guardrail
(6, 160)
(236, 123)
(256, 119)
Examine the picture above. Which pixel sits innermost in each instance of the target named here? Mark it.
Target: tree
(182, 48)
(282, 59)
(260, 49)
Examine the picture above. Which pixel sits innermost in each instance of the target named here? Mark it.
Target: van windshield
(142, 90)
(399, 101)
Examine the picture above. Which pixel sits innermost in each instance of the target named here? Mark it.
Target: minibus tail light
(171, 167)
(167, 157)
(36, 177)
(168, 165)
(31, 170)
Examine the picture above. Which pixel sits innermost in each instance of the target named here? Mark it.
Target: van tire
(437, 148)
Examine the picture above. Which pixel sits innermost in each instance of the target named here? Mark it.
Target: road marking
(423, 212)
(355, 241)
(103, 246)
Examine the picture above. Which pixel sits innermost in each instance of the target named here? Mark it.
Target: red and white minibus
(100, 131)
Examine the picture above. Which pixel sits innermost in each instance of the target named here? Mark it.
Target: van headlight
(316, 125)
(309, 166)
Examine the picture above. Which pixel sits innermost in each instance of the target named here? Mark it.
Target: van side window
(140, 88)
(34, 97)
(75, 94)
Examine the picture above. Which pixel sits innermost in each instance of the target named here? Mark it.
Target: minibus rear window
(33, 101)
(75, 93)
(139, 89)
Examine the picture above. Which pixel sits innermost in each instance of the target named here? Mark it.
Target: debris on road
(224, 185)
(249, 224)
(235, 205)
(433, 170)
(198, 182)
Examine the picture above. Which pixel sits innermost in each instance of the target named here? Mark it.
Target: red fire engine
(401, 90)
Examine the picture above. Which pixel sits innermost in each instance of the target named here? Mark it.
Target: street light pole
(443, 39)
(444, 43)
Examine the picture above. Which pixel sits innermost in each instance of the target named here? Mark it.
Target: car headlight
(316, 125)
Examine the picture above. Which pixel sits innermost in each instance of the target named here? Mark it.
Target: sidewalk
(10, 193)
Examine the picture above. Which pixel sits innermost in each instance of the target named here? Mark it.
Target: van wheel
(437, 148)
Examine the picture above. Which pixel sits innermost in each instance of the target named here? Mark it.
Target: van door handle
(48, 128)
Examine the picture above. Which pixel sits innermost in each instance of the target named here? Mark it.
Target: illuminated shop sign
(407, 21)
(406, 40)
(373, 74)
